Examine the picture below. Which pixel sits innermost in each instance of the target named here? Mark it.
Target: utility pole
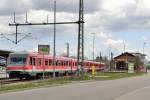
(109, 58)
(144, 47)
(43, 66)
(26, 18)
(80, 56)
(67, 49)
(93, 46)
(54, 49)
(80, 22)
(16, 34)
(111, 61)
(124, 47)
(100, 58)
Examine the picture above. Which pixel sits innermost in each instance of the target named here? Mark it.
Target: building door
(121, 65)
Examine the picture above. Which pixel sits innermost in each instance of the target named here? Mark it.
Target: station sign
(43, 49)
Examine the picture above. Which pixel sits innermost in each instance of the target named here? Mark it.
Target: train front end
(16, 65)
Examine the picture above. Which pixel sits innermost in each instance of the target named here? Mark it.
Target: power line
(3, 36)
(80, 22)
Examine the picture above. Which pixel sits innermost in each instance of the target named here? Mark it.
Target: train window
(17, 60)
(70, 63)
(61, 63)
(57, 63)
(91, 64)
(75, 63)
(39, 61)
(50, 62)
(32, 61)
(96, 65)
(46, 62)
(87, 64)
(65, 63)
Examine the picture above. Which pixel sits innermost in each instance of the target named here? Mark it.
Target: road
(135, 88)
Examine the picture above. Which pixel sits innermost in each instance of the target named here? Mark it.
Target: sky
(116, 24)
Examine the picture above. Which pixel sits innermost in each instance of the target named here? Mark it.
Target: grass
(118, 75)
(64, 80)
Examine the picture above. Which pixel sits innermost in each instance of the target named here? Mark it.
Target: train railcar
(27, 65)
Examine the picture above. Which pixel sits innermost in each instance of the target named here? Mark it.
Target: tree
(137, 63)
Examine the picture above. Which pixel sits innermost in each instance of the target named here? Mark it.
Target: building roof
(126, 53)
(4, 53)
(134, 53)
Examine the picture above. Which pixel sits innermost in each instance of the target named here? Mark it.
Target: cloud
(104, 17)
(7, 7)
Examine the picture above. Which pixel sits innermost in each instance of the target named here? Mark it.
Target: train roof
(19, 52)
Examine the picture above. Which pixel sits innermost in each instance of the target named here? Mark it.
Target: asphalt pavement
(135, 88)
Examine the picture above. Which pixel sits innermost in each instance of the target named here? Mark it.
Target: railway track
(7, 81)
(14, 81)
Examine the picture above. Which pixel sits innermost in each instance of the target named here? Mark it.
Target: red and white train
(27, 65)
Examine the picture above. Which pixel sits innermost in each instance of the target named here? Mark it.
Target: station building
(3, 57)
(122, 61)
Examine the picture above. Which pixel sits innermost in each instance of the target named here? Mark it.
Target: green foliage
(137, 62)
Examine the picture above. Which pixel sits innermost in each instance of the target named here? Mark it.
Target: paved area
(136, 88)
(139, 94)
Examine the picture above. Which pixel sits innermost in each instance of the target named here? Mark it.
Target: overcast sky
(115, 22)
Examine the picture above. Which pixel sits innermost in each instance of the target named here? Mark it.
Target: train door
(33, 63)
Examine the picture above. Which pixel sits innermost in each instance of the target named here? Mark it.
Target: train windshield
(17, 59)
